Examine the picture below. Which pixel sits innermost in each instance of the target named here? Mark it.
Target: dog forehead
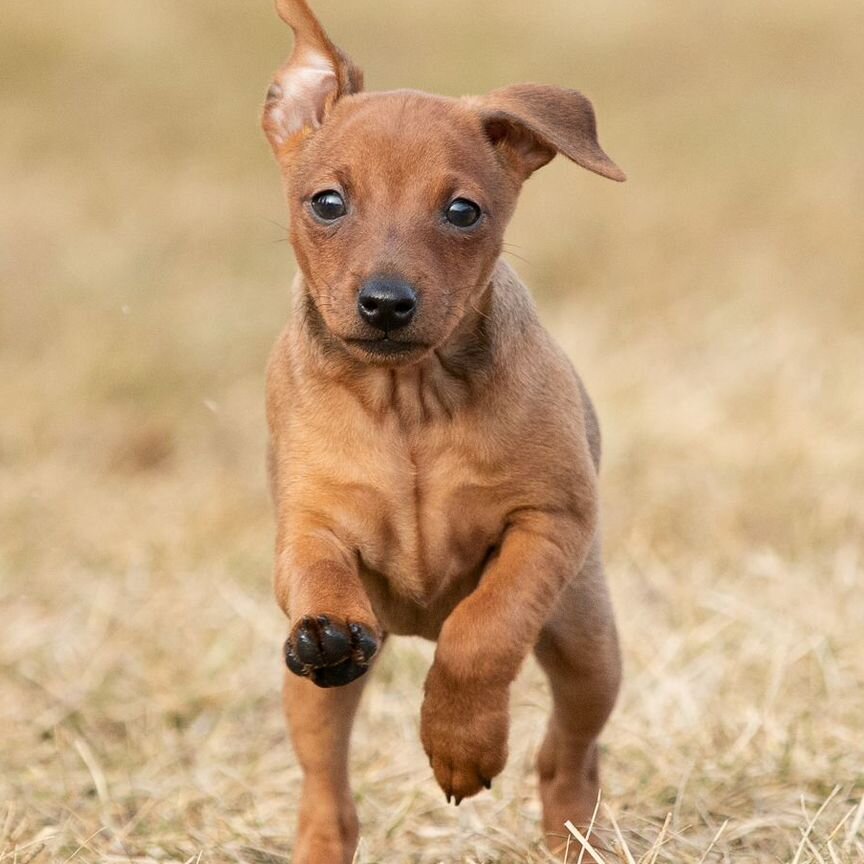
(404, 134)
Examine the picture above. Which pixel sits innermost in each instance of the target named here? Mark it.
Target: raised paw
(464, 733)
(329, 651)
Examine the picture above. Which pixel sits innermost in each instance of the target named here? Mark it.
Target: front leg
(335, 634)
(465, 715)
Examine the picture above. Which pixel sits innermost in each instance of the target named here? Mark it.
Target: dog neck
(434, 389)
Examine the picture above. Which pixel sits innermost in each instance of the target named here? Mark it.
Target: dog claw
(449, 797)
(458, 800)
(487, 784)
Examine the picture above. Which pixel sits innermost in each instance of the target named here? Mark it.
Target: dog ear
(530, 123)
(306, 87)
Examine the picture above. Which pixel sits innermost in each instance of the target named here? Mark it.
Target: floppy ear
(308, 85)
(530, 123)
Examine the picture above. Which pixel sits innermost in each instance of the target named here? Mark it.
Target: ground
(713, 304)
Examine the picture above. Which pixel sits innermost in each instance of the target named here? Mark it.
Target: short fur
(442, 483)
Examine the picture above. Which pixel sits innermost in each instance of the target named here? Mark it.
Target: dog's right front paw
(328, 651)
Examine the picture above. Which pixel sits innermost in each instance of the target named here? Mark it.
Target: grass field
(714, 304)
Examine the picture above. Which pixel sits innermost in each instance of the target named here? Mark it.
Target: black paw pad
(328, 651)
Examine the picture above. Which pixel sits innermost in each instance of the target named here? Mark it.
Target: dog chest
(420, 512)
(436, 532)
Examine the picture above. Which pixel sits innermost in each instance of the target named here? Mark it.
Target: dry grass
(714, 306)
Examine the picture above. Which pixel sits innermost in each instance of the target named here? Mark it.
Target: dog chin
(386, 352)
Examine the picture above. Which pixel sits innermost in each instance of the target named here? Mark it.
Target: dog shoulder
(553, 397)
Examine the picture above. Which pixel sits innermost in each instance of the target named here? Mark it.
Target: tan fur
(450, 491)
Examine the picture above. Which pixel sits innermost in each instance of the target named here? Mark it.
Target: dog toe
(460, 783)
(364, 644)
(307, 643)
(335, 640)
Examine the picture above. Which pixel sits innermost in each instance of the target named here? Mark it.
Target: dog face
(399, 201)
(398, 207)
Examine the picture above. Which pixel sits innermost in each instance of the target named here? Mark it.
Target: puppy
(433, 455)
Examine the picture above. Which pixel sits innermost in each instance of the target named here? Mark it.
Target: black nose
(387, 304)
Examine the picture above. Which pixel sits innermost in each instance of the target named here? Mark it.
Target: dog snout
(387, 304)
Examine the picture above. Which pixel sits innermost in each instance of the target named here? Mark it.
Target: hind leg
(320, 721)
(578, 650)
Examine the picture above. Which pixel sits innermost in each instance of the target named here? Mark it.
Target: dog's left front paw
(464, 733)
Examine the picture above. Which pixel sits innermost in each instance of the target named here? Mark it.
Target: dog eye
(463, 213)
(329, 205)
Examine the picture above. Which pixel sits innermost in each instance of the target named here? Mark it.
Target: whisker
(514, 255)
(478, 311)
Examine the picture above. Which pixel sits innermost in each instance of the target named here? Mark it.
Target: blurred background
(714, 305)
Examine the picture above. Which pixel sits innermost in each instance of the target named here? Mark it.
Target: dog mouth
(384, 347)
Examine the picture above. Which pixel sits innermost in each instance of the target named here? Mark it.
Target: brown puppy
(433, 454)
